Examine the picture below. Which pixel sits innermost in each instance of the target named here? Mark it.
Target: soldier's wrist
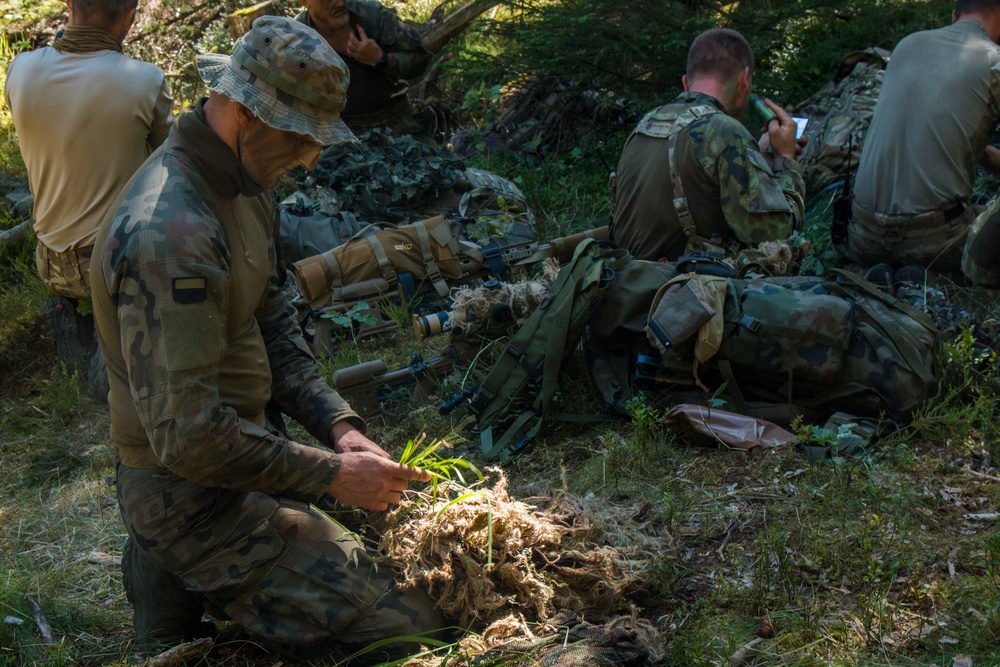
(382, 64)
(782, 163)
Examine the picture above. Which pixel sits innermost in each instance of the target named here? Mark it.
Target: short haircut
(969, 6)
(111, 10)
(719, 52)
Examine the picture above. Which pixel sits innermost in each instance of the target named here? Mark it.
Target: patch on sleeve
(192, 336)
(190, 290)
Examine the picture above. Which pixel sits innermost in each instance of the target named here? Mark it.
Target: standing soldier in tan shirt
(86, 117)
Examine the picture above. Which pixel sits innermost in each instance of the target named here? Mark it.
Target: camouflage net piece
(381, 177)
(474, 309)
(481, 555)
(564, 642)
(774, 258)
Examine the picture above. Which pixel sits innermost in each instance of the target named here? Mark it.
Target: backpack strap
(911, 352)
(535, 354)
(384, 265)
(680, 199)
(433, 272)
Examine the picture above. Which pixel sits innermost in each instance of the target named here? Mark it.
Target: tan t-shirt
(85, 123)
(936, 112)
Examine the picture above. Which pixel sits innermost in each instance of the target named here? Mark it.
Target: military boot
(97, 378)
(72, 344)
(166, 614)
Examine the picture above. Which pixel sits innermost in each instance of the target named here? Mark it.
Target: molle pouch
(677, 313)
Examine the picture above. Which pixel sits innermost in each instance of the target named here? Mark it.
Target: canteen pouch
(678, 312)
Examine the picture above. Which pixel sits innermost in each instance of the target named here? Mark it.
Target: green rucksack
(779, 347)
(533, 359)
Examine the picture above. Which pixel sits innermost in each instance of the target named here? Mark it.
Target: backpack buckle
(750, 322)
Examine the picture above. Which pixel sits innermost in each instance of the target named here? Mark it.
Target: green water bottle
(762, 109)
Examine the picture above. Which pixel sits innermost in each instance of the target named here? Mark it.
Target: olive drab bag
(529, 367)
(828, 344)
(427, 253)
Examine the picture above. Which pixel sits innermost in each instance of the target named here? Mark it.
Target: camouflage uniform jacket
(375, 89)
(196, 333)
(733, 195)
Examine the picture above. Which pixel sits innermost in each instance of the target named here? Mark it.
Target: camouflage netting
(381, 177)
(482, 555)
(475, 309)
(775, 258)
(566, 642)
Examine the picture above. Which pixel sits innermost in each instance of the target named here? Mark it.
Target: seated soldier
(938, 107)
(380, 51)
(692, 177)
(981, 257)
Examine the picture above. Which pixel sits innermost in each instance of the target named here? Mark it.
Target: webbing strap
(514, 369)
(680, 199)
(732, 386)
(384, 265)
(898, 335)
(336, 277)
(433, 272)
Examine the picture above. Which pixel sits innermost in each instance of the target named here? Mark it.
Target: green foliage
(428, 457)
(568, 193)
(11, 163)
(967, 365)
(635, 50)
(639, 50)
(991, 564)
(773, 581)
(837, 441)
(359, 313)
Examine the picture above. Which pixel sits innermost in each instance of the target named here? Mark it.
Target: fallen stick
(15, 234)
(179, 654)
(44, 628)
(743, 655)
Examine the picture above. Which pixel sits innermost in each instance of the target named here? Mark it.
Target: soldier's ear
(744, 81)
(684, 81)
(244, 116)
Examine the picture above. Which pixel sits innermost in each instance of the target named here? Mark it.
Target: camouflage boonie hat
(287, 75)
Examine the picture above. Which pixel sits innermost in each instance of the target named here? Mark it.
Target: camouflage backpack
(770, 347)
(839, 116)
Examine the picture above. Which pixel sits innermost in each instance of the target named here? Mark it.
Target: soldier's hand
(346, 438)
(363, 48)
(372, 482)
(781, 134)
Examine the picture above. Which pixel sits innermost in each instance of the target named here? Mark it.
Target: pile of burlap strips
(489, 561)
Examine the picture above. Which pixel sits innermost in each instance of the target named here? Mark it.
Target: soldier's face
(328, 14)
(267, 153)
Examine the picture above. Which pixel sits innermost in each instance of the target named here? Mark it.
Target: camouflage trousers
(933, 240)
(66, 273)
(283, 570)
(981, 257)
